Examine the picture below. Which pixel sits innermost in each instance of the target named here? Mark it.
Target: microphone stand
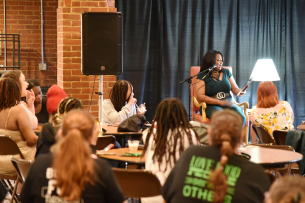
(190, 82)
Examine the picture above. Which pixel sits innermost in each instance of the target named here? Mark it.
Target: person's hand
(225, 102)
(132, 101)
(243, 92)
(30, 97)
(95, 133)
(142, 109)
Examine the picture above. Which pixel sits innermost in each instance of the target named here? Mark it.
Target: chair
(263, 134)
(289, 167)
(137, 183)
(104, 141)
(22, 167)
(9, 147)
(279, 136)
(195, 105)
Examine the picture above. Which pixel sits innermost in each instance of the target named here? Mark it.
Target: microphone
(213, 67)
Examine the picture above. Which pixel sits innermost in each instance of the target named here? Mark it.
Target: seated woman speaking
(121, 104)
(220, 80)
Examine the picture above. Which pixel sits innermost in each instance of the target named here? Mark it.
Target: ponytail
(74, 166)
(218, 178)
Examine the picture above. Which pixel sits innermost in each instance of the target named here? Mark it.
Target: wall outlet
(42, 66)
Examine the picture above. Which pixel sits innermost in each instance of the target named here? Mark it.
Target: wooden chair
(195, 104)
(9, 147)
(279, 136)
(263, 134)
(22, 167)
(137, 183)
(104, 141)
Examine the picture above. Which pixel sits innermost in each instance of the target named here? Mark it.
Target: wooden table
(135, 160)
(271, 158)
(113, 130)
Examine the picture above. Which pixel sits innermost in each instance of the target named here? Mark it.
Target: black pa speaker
(102, 43)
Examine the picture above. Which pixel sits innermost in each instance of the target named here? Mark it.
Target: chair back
(104, 141)
(22, 167)
(279, 137)
(137, 183)
(195, 70)
(9, 147)
(263, 134)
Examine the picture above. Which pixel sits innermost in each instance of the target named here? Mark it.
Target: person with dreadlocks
(121, 103)
(217, 173)
(166, 140)
(288, 189)
(40, 102)
(49, 130)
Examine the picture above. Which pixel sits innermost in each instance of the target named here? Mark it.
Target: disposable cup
(133, 145)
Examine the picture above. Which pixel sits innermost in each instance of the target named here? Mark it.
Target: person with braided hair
(166, 140)
(217, 173)
(49, 130)
(288, 189)
(121, 103)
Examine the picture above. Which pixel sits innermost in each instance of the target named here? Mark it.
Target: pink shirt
(32, 117)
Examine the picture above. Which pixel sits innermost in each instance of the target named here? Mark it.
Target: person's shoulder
(226, 71)
(102, 163)
(43, 161)
(197, 150)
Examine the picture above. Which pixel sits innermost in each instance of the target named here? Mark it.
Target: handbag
(134, 123)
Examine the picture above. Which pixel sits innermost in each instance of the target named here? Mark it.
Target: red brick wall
(23, 17)
(62, 43)
(69, 50)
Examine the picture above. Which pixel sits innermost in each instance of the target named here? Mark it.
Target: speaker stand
(100, 103)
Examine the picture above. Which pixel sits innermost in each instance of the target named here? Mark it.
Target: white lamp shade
(264, 70)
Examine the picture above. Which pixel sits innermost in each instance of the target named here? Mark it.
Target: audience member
(216, 173)
(288, 189)
(54, 96)
(70, 173)
(15, 123)
(40, 102)
(18, 76)
(121, 103)
(49, 130)
(269, 111)
(166, 140)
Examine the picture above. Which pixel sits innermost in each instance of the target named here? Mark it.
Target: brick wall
(62, 43)
(69, 51)
(23, 17)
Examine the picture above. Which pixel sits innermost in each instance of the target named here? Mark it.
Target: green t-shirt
(188, 181)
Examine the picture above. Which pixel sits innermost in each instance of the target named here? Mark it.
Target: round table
(271, 158)
(117, 156)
